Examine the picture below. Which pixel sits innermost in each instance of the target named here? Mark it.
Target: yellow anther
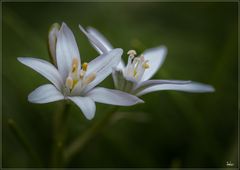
(131, 53)
(82, 73)
(146, 65)
(69, 82)
(84, 66)
(75, 64)
(90, 78)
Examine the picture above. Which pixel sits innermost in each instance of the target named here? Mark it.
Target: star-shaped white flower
(134, 77)
(73, 81)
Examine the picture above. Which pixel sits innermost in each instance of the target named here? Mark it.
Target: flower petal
(121, 65)
(155, 57)
(44, 68)
(67, 49)
(122, 83)
(52, 41)
(102, 66)
(100, 39)
(149, 83)
(113, 97)
(95, 42)
(86, 104)
(45, 94)
(118, 78)
(194, 87)
(95, 33)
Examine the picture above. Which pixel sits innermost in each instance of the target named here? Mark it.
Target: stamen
(75, 64)
(131, 53)
(134, 72)
(90, 78)
(146, 65)
(84, 66)
(136, 65)
(82, 73)
(69, 82)
(142, 58)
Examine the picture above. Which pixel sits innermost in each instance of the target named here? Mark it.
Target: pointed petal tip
(55, 25)
(86, 105)
(140, 101)
(204, 88)
(31, 99)
(22, 59)
(64, 24)
(210, 89)
(162, 47)
(118, 50)
(63, 27)
(45, 94)
(81, 28)
(89, 28)
(19, 59)
(89, 117)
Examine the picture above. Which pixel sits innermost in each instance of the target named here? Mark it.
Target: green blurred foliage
(172, 129)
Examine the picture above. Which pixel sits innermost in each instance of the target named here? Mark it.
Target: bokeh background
(172, 129)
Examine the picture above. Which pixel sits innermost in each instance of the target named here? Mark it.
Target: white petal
(156, 57)
(100, 38)
(44, 68)
(102, 66)
(118, 78)
(95, 42)
(113, 97)
(86, 104)
(66, 50)
(149, 83)
(52, 41)
(122, 83)
(45, 94)
(190, 87)
(121, 65)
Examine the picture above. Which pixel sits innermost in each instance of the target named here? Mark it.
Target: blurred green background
(172, 129)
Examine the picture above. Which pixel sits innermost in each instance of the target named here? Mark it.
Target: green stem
(91, 132)
(22, 139)
(60, 129)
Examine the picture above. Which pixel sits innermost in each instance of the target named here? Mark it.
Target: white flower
(134, 77)
(71, 80)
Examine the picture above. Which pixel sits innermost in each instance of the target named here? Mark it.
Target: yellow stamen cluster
(77, 77)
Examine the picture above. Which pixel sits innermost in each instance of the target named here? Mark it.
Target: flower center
(77, 78)
(136, 66)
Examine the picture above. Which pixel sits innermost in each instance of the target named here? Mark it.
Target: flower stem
(77, 145)
(60, 128)
(22, 139)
